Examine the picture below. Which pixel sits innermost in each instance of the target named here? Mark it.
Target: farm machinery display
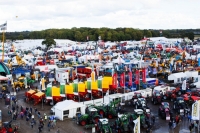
(38, 97)
(164, 111)
(90, 118)
(141, 104)
(109, 110)
(22, 82)
(136, 114)
(122, 124)
(156, 97)
(103, 126)
(180, 106)
(52, 95)
(29, 94)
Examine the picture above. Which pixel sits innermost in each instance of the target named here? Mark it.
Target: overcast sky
(22, 15)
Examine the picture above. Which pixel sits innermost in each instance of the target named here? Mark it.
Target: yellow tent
(81, 87)
(107, 79)
(55, 91)
(94, 85)
(105, 84)
(69, 89)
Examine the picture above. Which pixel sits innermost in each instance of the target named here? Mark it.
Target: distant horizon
(37, 15)
(100, 28)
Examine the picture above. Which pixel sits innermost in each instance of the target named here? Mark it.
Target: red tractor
(170, 94)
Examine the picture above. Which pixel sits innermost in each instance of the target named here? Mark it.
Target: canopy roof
(4, 69)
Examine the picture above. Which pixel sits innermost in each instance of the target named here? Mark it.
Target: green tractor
(109, 110)
(136, 114)
(122, 124)
(91, 117)
(103, 126)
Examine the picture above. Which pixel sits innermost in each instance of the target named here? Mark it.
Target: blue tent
(21, 71)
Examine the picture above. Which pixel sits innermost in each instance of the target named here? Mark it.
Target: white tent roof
(118, 60)
(68, 104)
(179, 75)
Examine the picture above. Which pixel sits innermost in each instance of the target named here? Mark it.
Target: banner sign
(130, 78)
(114, 81)
(122, 79)
(195, 111)
(137, 77)
(144, 75)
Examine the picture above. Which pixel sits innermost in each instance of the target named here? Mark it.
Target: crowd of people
(32, 117)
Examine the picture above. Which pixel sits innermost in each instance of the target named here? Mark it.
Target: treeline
(92, 34)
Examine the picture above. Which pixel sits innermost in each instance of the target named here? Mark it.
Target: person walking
(31, 110)
(35, 110)
(21, 114)
(39, 129)
(32, 123)
(32, 117)
(45, 117)
(49, 125)
(58, 130)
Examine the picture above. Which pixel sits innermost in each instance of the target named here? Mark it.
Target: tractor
(136, 114)
(103, 126)
(110, 110)
(122, 123)
(91, 117)
(20, 82)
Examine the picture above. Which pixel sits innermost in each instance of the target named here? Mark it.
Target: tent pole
(3, 48)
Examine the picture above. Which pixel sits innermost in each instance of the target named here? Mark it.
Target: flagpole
(3, 48)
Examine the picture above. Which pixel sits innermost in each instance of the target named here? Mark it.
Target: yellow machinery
(20, 62)
(19, 82)
(153, 64)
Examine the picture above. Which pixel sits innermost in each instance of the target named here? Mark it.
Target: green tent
(89, 85)
(62, 89)
(48, 92)
(75, 87)
(99, 83)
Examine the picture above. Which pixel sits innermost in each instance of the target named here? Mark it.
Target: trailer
(29, 94)
(38, 97)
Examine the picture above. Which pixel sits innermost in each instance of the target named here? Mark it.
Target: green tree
(139, 34)
(49, 42)
(20, 37)
(109, 36)
(190, 35)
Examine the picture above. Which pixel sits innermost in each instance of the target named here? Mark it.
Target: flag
(184, 85)
(43, 84)
(114, 80)
(3, 26)
(195, 110)
(136, 128)
(130, 78)
(122, 79)
(144, 75)
(137, 77)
